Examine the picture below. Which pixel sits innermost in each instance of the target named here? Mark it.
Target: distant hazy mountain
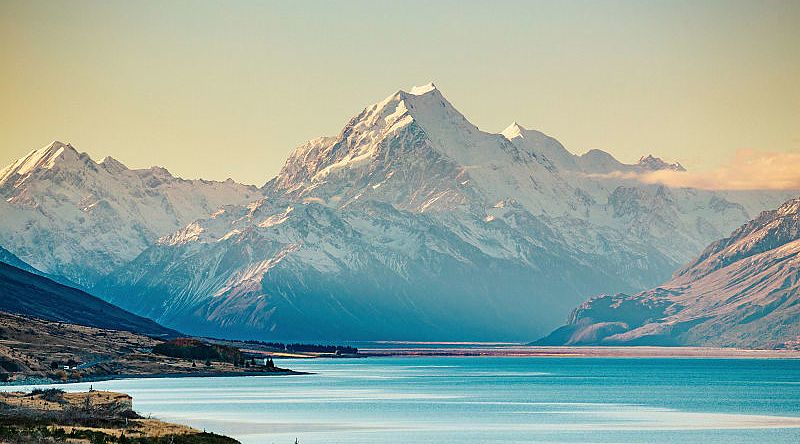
(743, 290)
(68, 215)
(414, 224)
(24, 291)
(9, 258)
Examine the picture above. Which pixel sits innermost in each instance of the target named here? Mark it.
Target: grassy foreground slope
(45, 416)
(33, 349)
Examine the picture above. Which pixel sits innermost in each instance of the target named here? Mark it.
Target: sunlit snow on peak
(513, 130)
(424, 89)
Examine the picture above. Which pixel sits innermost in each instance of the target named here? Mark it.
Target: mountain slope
(743, 290)
(9, 258)
(68, 215)
(30, 294)
(311, 272)
(413, 223)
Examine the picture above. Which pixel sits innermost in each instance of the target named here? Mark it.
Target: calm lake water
(489, 400)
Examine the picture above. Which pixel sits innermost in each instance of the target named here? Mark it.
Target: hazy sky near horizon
(228, 89)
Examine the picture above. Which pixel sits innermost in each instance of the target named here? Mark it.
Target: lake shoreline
(510, 351)
(45, 381)
(446, 350)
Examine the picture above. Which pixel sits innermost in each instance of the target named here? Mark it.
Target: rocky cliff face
(742, 291)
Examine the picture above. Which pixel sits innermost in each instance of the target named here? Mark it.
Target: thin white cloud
(747, 170)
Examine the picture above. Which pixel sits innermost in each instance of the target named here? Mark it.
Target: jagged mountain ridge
(342, 247)
(68, 215)
(742, 291)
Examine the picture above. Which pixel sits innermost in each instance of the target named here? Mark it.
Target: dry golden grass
(105, 401)
(119, 405)
(140, 428)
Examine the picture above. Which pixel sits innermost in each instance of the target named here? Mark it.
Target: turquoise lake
(489, 400)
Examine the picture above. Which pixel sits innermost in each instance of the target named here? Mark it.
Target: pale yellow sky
(227, 89)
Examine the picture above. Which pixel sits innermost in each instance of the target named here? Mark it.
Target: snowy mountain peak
(389, 135)
(424, 89)
(600, 162)
(598, 155)
(653, 163)
(513, 130)
(43, 158)
(55, 146)
(104, 213)
(159, 171)
(421, 135)
(112, 164)
(541, 145)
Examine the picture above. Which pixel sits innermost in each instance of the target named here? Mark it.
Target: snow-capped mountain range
(410, 224)
(742, 291)
(68, 215)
